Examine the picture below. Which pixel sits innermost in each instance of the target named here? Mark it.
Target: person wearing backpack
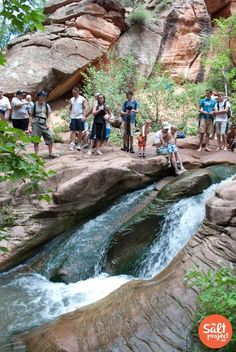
(40, 121)
(222, 108)
(129, 111)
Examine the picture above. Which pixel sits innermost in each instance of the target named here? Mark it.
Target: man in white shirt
(5, 106)
(20, 115)
(77, 109)
(221, 118)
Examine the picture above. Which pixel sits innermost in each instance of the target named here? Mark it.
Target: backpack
(47, 110)
(229, 112)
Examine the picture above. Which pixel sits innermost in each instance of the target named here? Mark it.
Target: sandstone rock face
(175, 41)
(220, 8)
(153, 315)
(77, 34)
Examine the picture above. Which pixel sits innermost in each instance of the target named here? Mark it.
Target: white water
(30, 299)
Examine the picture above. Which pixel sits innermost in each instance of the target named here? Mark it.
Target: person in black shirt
(100, 112)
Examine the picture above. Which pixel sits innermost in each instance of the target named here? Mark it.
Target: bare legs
(201, 137)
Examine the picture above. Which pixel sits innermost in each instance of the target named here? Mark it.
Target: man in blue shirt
(129, 111)
(206, 110)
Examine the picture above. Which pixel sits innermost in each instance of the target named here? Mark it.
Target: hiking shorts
(171, 148)
(21, 124)
(108, 133)
(142, 141)
(206, 126)
(124, 128)
(221, 127)
(77, 125)
(162, 151)
(39, 131)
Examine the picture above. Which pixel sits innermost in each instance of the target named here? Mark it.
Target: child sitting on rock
(173, 151)
(231, 138)
(142, 138)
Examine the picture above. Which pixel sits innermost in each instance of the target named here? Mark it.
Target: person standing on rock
(5, 106)
(129, 111)
(222, 108)
(40, 123)
(101, 112)
(77, 108)
(20, 115)
(206, 110)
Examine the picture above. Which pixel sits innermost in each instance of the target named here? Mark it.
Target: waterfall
(31, 299)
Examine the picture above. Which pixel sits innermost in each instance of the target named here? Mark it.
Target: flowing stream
(29, 299)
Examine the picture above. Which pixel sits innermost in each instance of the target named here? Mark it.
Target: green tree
(218, 54)
(111, 79)
(19, 16)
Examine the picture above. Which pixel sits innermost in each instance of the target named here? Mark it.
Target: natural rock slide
(82, 187)
(153, 315)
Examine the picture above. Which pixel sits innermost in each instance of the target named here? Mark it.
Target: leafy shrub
(139, 17)
(7, 219)
(112, 79)
(217, 295)
(64, 114)
(163, 5)
(116, 138)
(18, 164)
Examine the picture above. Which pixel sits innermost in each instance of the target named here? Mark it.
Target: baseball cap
(42, 93)
(19, 92)
(166, 125)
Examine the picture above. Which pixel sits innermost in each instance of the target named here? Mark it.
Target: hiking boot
(139, 154)
(132, 150)
(98, 152)
(169, 165)
(144, 156)
(89, 152)
(78, 147)
(124, 149)
(72, 146)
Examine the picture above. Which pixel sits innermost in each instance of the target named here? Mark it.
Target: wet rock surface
(146, 316)
(81, 187)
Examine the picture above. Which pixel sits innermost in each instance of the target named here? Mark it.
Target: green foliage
(64, 114)
(163, 5)
(218, 55)
(7, 218)
(158, 92)
(17, 17)
(115, 137)
(111, 79)
(18, 164)
(217, 295)
(186, 102)
(139, 16)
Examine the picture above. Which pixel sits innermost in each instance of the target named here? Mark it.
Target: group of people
(101, 126)
(34, 118)
(31, 117)
(215, 119)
